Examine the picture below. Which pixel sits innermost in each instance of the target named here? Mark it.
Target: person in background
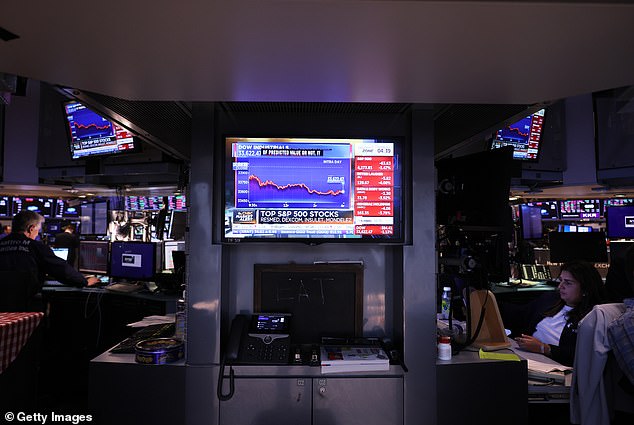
(554, 332)
(6, 230)
(68, 239)
(20, 251)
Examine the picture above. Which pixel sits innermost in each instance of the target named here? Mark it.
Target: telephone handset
(262, 338)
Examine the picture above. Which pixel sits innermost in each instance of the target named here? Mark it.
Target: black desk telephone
(259, 339)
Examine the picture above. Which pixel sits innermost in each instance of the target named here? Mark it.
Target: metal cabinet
(361, 401)
(268, 401)
(314, 399)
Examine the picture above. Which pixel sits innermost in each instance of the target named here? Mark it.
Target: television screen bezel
(493, 139)
(224, 166)
(136, 145)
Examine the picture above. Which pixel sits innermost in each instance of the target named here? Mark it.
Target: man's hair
(6, 227)
(25, 219)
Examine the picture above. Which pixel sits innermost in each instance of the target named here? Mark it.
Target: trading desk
(481, 391)
(84, 322)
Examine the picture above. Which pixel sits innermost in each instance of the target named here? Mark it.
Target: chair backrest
(16, 291)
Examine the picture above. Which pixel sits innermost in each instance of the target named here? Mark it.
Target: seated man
(19, 251)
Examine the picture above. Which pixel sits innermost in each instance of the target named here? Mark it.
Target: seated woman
(554, 332)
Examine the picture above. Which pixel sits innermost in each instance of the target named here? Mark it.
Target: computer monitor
(93, 257)
(61, 253)
(168, 248)
(587, 246)
(620, 222)
(133, 260)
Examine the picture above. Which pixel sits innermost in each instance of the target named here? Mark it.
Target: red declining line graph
(518, 131)
(292, 185)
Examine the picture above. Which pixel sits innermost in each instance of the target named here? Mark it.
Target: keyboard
(160, 330)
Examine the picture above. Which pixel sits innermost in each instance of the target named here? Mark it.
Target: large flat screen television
(620, 222)
(524, 135)
(549, 209)
(93, 135)
(579, 208)
(314, 190)
(42, 206)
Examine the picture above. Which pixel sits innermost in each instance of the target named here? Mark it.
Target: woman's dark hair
(592, 292)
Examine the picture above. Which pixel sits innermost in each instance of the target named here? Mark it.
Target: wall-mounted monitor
(616, 202)
(531, 222)
(620, 222)
(586, 246)
(93, 256)
(579, 208)
(154, 203)
(549, 209)
(42, 206)
(6, 206)
(133, 260)
(313, 190)
(524, 136)
(94, 218)
(91, 134)
(63, 209)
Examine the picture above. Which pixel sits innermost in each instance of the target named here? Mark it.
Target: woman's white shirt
(549, 329)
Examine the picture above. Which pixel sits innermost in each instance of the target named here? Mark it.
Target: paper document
(539, 362)
(498, 356)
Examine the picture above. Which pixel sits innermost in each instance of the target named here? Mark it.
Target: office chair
(17, 290)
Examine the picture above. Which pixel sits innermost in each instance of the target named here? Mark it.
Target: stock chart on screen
(312, 188)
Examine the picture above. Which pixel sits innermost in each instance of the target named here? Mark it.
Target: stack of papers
(541, 367)
(336, 358)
